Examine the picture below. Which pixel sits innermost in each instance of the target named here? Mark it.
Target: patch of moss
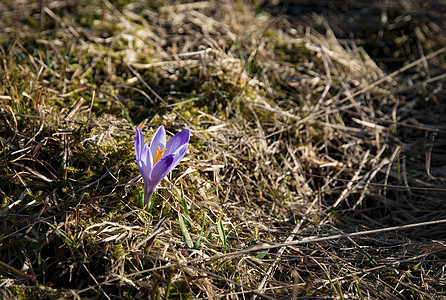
(25, 293)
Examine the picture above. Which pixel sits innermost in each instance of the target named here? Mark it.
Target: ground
(316, 166)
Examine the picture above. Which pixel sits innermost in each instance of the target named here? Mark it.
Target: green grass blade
(184, 205)
(141, 199)
(63, 237)
(201, 232)
(262, 254)
(185, 231)
(222, 234)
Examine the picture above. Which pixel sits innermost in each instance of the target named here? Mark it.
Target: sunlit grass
(296, 132)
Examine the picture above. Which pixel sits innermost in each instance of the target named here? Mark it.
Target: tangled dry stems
(296, 133)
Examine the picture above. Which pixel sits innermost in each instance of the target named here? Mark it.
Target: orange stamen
(158, 155)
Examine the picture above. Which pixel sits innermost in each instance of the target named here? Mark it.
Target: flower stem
(148, 201)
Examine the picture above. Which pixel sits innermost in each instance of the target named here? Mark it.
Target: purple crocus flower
(158, 159)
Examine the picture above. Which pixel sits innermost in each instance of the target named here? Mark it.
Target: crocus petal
(139, 143)
(159, 171)
(144, 163)
(179, 154)
(177, 141)
(158, 140)
(149, 160)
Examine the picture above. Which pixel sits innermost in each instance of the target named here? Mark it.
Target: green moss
(5, 203)
(118, 252)
(24, 293)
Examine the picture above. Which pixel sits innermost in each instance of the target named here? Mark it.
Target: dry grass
(298, 136)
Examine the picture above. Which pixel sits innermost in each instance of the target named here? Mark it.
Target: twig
(266, 246)
(272, 268)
